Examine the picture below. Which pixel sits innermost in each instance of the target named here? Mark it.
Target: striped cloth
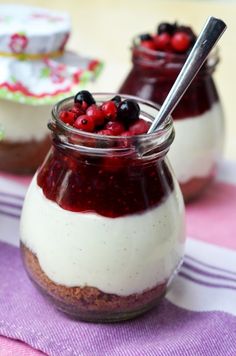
(197, 317)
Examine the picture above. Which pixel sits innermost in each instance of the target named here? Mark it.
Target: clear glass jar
(198, 118)
(25, 140)
(102, 227)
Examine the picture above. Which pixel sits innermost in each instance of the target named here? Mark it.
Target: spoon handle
(210, 34)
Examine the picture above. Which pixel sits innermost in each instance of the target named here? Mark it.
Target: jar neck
(166, 65)
(145, 147)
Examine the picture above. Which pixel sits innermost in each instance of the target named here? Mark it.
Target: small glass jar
(198, 118)
(25, 140)
(102, 227)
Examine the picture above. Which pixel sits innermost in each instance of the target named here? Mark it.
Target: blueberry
(145, 37)
(116, 99)
(166, 27)
(85, 96)
(128, 110)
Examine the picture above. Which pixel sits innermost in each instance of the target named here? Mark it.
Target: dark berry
(97, 114)
(189, 32)
(67, 117)
(128, 110)
(139, 127)
(116, 127)
(162, 41)
(145, 37)
(166, 27)
(109, 109)
(84, 123)
(116, 99)
(84, 96)
(180, 42)
(148, 45)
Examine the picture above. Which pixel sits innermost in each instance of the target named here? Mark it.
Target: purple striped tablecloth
(197, 317)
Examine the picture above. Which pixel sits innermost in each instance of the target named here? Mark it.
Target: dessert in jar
(102, 226)
(198, 119)
(36, 71)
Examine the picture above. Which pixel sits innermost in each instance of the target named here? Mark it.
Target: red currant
(84, 123)
(110, 109)
(180, 41)
(162, 41)
(149, 45)
(97, 114)
(104, 132)
(139, 127)
(67, 117)
(115, 127)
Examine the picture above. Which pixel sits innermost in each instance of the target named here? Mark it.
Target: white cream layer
(123, 255)
(198, 144)
(21, 122)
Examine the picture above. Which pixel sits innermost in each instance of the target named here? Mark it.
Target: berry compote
(102, 227)
(198, 120)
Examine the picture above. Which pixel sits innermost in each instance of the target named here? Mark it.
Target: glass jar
(198, 118)
(25, 140)
(102, 227)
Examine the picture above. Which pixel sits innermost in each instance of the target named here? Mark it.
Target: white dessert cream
(198, 144)
(21, 122)
(122, 255)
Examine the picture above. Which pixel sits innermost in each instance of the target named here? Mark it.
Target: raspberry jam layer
(154, 84)
(109, 186)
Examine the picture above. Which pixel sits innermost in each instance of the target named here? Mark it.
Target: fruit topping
(145, 37)
(109, 109)
(169, 38)
(84, 96)
(97, 114)
(166, 27)
(116, 99)
(180, 41)
(128, 110)
(84, 123)
(162, 42)
(114, 117)
(67, 117)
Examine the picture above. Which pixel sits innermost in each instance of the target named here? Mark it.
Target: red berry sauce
(154, 72)
(110, 185)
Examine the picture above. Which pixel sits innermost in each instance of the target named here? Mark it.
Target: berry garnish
(97, 114)
(104, 132)
(84, 96)
(128, 110)
(139, 127)
(180, 41)
(115, 127)
(162, 41)
(106, 118)
(109, 109)
(145, 37)
(170, 38)
(67, 117)
(116, 99)
(84, 123)
(149, 45)
(166, 27)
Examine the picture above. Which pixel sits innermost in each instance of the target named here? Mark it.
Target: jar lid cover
(34, 66)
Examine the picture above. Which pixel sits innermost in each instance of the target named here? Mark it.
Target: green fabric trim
(21, 98)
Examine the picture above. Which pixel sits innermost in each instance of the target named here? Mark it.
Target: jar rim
(163, 134)
(157, 55)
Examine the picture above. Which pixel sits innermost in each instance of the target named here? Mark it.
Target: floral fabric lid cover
(35, 68)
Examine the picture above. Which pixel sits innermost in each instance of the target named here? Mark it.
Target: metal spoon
(207, 39)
